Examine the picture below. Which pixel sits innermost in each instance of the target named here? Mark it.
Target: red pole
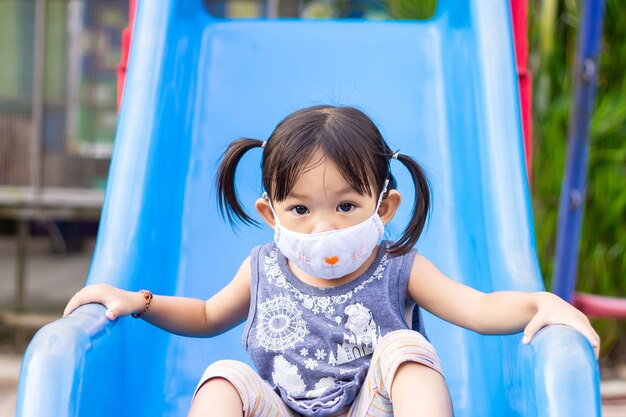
(600, 307)
(519, 12)
(126, 38)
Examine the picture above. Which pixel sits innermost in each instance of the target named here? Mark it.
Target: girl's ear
(389, 206)
(263, 207)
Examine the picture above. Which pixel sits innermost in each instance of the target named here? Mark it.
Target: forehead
(326, 165)
(321, 175)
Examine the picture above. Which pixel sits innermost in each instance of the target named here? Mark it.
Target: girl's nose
(322, 225)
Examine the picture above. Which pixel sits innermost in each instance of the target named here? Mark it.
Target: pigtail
(421, 207)
(227, 198)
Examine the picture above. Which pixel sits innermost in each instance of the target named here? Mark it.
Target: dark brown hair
(344, 135)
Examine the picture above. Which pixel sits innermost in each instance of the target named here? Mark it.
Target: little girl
(328, 304)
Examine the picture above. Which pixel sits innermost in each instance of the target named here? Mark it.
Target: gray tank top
(314, 345)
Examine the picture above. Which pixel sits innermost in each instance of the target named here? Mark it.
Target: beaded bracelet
(147, 295)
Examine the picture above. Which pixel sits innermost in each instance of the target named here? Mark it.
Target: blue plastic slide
(442, 90)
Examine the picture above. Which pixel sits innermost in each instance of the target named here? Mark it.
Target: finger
(531, 329)
(111, 314)
(588, 333)
(594, 340)
(84, 296)
(68, 309)
(71, 305)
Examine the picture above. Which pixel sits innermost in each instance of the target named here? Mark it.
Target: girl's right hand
(118, 302)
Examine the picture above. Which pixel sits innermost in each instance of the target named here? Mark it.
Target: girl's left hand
(551, 309)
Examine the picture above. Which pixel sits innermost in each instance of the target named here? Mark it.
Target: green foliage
(411, 9)
(602, 260)
(370, 9)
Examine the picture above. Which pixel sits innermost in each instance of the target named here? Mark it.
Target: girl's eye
(299, 210)
(345, 207)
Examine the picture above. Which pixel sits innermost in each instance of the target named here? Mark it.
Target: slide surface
(443, 91)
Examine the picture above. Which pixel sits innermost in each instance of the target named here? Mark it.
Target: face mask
(332, 254)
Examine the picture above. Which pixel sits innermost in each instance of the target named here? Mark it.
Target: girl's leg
(231, 388)
(404, 380)
(216, 397)
(420, 390)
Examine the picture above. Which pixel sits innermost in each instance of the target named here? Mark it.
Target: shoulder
(404, 261)
(243, 275)
(428, 281)
(258, 252)
(421, 265)
(261, 257)
(397, 268)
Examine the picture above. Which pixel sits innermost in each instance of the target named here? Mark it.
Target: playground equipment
(442, 90)
(572, 199)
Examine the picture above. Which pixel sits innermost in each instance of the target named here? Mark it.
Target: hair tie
(263, 144)
(395, 156)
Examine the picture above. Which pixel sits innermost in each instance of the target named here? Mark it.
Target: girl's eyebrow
(345, 190)
(297, 196)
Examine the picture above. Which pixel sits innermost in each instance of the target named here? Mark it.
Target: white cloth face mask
(335, 253)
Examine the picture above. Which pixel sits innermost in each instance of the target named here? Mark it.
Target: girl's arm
(502, 312)
(179, 315)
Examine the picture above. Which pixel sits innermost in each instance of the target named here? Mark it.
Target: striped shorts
(374, 399)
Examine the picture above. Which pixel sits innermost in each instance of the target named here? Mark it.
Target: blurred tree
(602, 261)
(411, 9)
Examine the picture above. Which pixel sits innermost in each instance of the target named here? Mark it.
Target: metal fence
(58, 115)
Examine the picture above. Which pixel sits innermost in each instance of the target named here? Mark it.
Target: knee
(234, 383)
(218, 384)
(406, 340)
(402, 346)
(216, 394)
(228, 369)
(222, 374)
(432, 396)
(228, 364)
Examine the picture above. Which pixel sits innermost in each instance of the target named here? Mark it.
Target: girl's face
(321, 200)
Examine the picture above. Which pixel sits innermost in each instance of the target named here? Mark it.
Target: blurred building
(58, 92)
(58, 61)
